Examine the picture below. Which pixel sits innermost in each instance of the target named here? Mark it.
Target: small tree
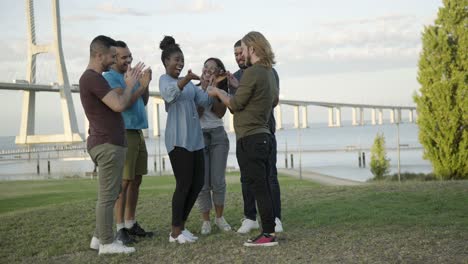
(380, 164)
(442, 102)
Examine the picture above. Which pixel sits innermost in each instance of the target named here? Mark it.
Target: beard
(242, 66)
(106, 67)
(123, 68)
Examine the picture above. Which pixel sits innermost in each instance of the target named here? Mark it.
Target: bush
(380, 164)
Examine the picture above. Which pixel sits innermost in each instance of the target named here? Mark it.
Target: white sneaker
(222, 224)
(206, 228)
(279, 225)
(181, 239)
(189, 235)
(115, 248)
(94, 243)
(247, 226)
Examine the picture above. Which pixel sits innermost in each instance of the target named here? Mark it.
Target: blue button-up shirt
(135, 116)
(183, 126)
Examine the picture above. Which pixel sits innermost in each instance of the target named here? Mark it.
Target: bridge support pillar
(392, 116)
(410, 116)
(373, 115)
(27, 132)
(354, 116)
(305, 123)
(361, 116)
(398, 115)
(156, 117)
(296, 116)
(331, 119)
(338, 116)
(380, 116)
(86, 127)
(279, 117)
(231, 122)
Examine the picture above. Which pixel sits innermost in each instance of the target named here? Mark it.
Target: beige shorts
(136, 161)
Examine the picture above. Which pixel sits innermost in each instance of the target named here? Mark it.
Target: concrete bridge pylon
(27, 133)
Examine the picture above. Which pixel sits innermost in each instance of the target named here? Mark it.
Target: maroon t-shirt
(105, 125)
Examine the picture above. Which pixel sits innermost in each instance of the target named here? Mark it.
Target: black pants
(253, 155)
(250, 210)
(189, 172)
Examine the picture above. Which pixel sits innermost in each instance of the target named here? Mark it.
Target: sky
(351, 51)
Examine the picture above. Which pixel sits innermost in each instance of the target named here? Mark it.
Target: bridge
(29, 88)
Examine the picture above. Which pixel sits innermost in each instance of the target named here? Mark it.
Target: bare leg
(219, 210)
(132, 197)
(206, 216)
(176, 230)
(120, 203)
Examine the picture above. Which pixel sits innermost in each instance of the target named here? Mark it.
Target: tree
(380, 164)
(442, 102)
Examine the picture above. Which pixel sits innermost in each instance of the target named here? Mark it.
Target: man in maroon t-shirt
(106, 142)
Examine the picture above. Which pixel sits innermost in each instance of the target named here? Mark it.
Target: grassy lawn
(414, 222)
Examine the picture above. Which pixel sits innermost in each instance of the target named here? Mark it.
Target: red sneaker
(263, 240)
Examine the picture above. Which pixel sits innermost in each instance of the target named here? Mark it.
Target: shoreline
(320, 178)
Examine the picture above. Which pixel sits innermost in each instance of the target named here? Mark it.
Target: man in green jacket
(251, 106)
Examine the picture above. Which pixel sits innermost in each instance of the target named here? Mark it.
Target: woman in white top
(216, 149)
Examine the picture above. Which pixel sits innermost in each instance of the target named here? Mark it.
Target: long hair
(261, 47)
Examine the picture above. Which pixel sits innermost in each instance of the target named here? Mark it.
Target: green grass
(413, 222)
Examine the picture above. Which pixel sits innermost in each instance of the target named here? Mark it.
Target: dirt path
(320, 178)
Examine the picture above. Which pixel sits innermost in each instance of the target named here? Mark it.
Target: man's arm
(242, 96)
(118, 101)
(142, 91)
(145, 96)
(222, 95)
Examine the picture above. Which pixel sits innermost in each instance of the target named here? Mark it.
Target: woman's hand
(212, 91)
(192, 76)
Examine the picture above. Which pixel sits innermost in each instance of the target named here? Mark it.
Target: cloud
(363, 45)
(109, 8)
(195, 6)
(203, 6)
(170, 8)
(104, 8)
(80, 18)
(371, 44)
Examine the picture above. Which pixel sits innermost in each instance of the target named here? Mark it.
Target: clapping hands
(146, 77)
(133, 74)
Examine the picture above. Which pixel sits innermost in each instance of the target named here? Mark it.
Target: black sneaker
(124, 237)
(137, 230)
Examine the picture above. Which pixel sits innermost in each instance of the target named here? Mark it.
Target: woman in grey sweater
(216, 149)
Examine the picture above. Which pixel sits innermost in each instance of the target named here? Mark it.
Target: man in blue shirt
(136, 161)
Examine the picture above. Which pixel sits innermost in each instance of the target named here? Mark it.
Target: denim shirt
(183, 125)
